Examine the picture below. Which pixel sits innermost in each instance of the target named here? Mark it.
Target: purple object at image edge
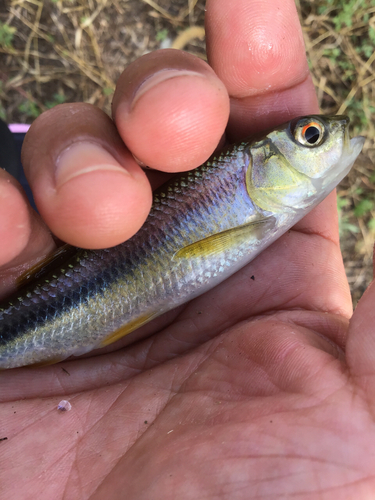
(18, 128)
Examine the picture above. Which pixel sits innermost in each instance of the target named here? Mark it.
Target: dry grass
(74, 50)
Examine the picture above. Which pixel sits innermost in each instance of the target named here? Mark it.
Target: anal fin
(127, 328)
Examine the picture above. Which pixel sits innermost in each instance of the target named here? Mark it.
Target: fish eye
(309, 134)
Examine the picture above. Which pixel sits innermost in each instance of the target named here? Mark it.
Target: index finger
(259, 54)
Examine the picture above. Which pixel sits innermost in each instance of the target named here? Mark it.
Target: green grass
(6, 35)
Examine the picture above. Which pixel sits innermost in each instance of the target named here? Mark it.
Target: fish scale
(203, 226)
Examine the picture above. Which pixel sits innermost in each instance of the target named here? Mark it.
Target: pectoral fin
(227, 240)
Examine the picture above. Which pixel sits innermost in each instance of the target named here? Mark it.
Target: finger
(259, 54)
(360, 348)
(171, 110)
(86, 185)
(15, 218)
(23, 235)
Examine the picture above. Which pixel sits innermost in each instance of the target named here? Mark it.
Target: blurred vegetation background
(55, 51)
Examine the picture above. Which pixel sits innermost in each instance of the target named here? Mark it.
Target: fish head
(297, 165)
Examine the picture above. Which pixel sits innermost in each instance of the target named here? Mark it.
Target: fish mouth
(348, 157)
(343, 166)
(356, 145)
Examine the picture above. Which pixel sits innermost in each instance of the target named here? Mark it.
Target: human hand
(244, 392)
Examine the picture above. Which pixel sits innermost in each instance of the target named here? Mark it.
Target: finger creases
(360, 348)
(171, 110)
(86, 184)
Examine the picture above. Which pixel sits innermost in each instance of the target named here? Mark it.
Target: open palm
(258, 389)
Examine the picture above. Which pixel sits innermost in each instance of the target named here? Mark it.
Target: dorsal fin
(62, 259)
(47, 265)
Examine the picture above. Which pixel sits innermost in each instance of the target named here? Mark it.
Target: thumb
(360, 347)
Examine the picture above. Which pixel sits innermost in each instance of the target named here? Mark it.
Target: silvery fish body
(204, 225)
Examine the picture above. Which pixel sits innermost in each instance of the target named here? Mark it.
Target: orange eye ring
(309, 134)
(311, 124)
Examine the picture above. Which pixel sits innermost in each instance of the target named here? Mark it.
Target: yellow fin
(127, 328)
(225, 240)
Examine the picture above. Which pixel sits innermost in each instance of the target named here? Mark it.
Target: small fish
(204, 226)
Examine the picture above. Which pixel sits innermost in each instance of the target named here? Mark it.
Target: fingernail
(159, 77)
(82, 158)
